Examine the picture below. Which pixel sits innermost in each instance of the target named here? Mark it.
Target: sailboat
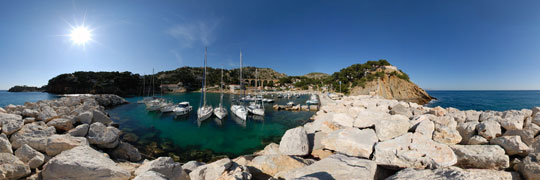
(239, 110)
(204, 111)
(220, 111)
(257, 106)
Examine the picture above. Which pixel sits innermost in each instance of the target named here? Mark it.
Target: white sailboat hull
(220, 112)
(204, 113)
(256, 111)
(239, 111)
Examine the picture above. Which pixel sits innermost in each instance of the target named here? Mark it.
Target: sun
(80, 35)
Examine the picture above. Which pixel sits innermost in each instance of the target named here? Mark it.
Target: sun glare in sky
(80, 35)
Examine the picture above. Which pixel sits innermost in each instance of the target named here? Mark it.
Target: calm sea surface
(19, 98)
(486, 100)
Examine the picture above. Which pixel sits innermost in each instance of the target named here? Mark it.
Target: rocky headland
(358, 137)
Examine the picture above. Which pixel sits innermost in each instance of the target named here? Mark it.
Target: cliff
(26, 89)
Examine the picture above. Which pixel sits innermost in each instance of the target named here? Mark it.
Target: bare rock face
(58, 143)
(414, 150)
(512, 145)
(164, 166)
(211, 171)
(529, 167)
(481, 156)
(61, 124)
(126, 151)
(391, 87)
(11, 167)
(489, 129)
(337, 166)
(294, 142)
(5, 145)
(351, 141)
(394, 126)
(11, 123)
(272, 164)
(34, 134)
(83, 161)
(103, 136)
(453, 173)
(33, 158)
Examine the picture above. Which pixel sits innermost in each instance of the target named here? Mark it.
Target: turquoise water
(19, 98)
(486, 100)
(163, 134)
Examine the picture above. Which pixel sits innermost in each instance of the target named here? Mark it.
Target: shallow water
(486, 100)
(161, 134)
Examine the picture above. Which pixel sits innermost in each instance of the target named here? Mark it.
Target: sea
(184, 138)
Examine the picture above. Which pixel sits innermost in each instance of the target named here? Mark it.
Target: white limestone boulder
(273, 164)
(337, 166)
(103, 136)
(61, 124)
(446, 130)
(11, 123)
(5, 145)
(481, 156)
(294, 142)
(79, 131)
(126, 151)
(34, 134)
(351, 141)
(489, 129)
(394, 126)
(512, 145)
(84, 118)
(477, 140)
(98, 116)
(367, 118)
(11, 167)
(30, 156)
(83, 161)
(466, 130)
(512, 120)
(165, 166)
(529, 167)
(191, 165)
(62, 142)
(413, 150)
(453, 173)
(211, 171)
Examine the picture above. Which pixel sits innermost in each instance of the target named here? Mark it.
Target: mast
(204, 79)
(242, 82)
(221, 89)
(153, 75)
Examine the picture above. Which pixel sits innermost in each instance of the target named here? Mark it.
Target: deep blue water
(19, 98)
(486, 100)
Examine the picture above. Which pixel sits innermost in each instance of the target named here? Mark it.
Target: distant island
(26, 89)
(373, 77)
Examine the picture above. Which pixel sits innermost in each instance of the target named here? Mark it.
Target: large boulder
(126, 151)
(489, 129)
(58, 143)
(453, 173)
(401, 109)
(11, 167)
(367, 118)
(211, 171)
(445, 130)
(536, 118)
(294, 142)
(394, 126)
(529, 167)
(10, 123)
(29, 113)
(272, 164)
(61, 124)
(512, 145)
(425, 128)
(79, 131)
(83, 161)
(413, 150)
(47, 113)
(84, 118)
(191, 165)
(33, 158)
(269, 149)
(337, 166)
(103, 136)
(351, 141)
(481, 156)
(34, 134)
(512, 120)
(467, 130)
(150, 175)
(527, 134)
(343, 119)
(5, 145)
(165, 166)
(98, 116)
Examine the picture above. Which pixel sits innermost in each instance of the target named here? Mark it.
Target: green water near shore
(185, 139)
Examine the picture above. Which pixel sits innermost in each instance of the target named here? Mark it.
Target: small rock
(512, 144)
(351, 141)
(103, 136)
(294, 142)
(5, 145)
(61, 124)
(477, 140)
(437, 111)
(58, 143)
(29, 120)
(395, 126)
(11, 167)
(33, 158)
(165, 166)
(489, 129)
(79, 131)
(321, 153)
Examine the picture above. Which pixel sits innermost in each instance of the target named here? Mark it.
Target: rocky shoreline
(358, 137)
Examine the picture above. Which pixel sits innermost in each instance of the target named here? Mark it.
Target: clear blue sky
(480, 44)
